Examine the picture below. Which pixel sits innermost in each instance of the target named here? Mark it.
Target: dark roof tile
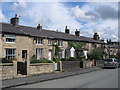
(24, 30)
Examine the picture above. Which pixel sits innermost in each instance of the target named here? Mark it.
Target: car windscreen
(108, 60)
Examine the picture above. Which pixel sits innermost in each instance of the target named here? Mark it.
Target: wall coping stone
(6, 64)
(37, 64)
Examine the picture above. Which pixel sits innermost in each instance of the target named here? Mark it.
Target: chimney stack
(67, 30)
(77, 32)
(39, 27)
(96, 36)
(15, 20)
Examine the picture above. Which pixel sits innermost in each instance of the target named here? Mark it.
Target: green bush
(96, 54)
(33, 59)
(72, 59)
(42, 60)
(64, 59)
(56, 60)
(83, 58)
(113, 56)
(5, 60)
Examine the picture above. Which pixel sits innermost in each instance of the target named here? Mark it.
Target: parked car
(119, 64)
(111, 62)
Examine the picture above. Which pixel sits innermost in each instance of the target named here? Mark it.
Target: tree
(96, 54)
(76, 45)
(57, 49)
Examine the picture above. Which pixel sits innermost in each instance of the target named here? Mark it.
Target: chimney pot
(96, 36)
(14, 20)
(39, 27)
(77, 32)
(67, 30)
(16, 15)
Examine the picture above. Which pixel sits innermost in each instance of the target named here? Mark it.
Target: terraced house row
(23, 42)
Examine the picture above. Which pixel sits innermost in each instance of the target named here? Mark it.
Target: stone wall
(70, 65)
(73, 65)
(100, 63)
(87, 64)
(40, 68)
(8, 70)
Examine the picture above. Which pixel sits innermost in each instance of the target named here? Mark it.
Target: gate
(57, 66)
(22, 68)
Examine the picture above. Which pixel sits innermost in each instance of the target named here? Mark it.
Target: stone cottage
(22, 42)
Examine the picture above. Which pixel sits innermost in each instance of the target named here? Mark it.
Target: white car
(111, 62)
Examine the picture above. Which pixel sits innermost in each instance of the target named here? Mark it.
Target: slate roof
(114, 46)
(30, 31)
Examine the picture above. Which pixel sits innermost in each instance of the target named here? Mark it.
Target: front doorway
(50, 55)
(24, 55)
(22, 65)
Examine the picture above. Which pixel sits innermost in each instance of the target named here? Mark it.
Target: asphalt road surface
(106, 78)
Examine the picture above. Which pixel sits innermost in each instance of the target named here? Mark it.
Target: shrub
(96, 54)
(83, 58)
(14, 59)
(72, 59)
(64, 59)
(113, 56)
(56, 60)
(4, 60)
(41, 60)
(33, 59)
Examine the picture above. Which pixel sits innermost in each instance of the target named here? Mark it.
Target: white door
(50, 55)
(55, 66)
(72, 52)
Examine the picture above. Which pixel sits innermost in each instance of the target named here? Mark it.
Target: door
(24, 55)
(50, 55)
(22, 66)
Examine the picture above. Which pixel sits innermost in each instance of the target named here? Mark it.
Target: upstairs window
(39, 41)
(10, 38)
(50, 42)
(60, 42)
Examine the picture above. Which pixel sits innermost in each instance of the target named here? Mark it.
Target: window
(39, 41)
(60, 42)
(50, 42)
(60, 54)
(39, 53)
(10, 53)
(10, 38)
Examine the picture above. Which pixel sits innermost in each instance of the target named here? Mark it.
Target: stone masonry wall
(8, 70)
(40, 68)
(70, 65)
(88, 64)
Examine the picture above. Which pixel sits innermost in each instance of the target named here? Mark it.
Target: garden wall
(87, 64)
(8, 70)
(40, 68)
(70, 65)
(100, 63)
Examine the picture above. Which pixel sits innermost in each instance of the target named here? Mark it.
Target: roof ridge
(62, 35)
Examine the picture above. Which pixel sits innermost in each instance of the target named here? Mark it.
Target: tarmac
(44, 77)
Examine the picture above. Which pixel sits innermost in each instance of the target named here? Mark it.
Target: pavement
(44, 77)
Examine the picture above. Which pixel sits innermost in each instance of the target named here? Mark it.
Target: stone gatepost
(28, 67)
(60, 66)
(15, 68)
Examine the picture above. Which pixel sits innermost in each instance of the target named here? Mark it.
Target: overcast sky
(88, 17)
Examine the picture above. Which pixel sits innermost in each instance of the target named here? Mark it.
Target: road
(106, 78)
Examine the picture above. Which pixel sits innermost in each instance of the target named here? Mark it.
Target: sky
(86, 16)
